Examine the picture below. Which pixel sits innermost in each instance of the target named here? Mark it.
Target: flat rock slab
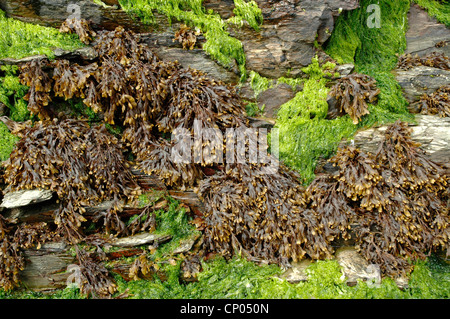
(25, 197)
(355, 267)
(285, 42)
(297, 273)
(46, 268)
(424, 32)
(431, 131)
(53, 12)
(140, 239)
(272, 99)
(421, 80)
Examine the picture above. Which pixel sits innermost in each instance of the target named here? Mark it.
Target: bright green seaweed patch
(19, 39)
(258, 83)
(241, 279)
(353, 41)
(305, 135)
(7, 142)
(439, 10)
(173, 222)
(248, 11)
(12, 93)
(219, 44)
(303, 142)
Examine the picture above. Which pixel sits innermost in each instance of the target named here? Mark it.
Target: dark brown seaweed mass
(352, 93)
(437, 103)
(433, 59)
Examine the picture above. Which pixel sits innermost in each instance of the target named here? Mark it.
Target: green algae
(7, 142)
(438, 9)
(258, 83)
(222, 47)
(247, 11)
(19, 39)
(353, 41)
(238, 278)
(305, 135)
(374, 51)
(12, 93)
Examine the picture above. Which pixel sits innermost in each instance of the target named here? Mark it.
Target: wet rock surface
(421, 80)
(25, 197)
(431, 131)
(425, 32)
(140, 239)
(53, 12)
(285, 42)
(272, 99)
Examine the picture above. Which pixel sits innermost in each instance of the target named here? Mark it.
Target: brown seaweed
(437, 103)
(95, 280)
(79, 26)
(186, 36)
(82, 165)
(352, 94)
(433, 59)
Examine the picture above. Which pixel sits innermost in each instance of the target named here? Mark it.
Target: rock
(53, 12)
(104, 206)
(185, 245)
(424, 32)
(11, 61)
(297, 273)
(223, 7)
(285, 42)
(3, 109)
(86, 53)
(190, 200)
(431, 131)
(140, 239)
(345, 69)
(46, 268)
(355, 267)
(25, 197)
(163, 44)
(111, 2)
(420, 80)
(261, 123)
(40, 212)
(333, 110)
(246, 92)
(275, 97)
